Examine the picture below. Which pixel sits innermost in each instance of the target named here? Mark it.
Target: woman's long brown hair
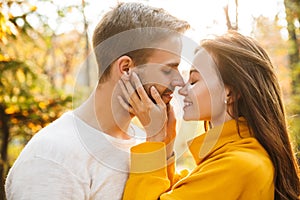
(246, 68)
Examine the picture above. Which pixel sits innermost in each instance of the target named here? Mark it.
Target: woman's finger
(125, 105)
(125, 92)
(171, 124)
(140, 89)
(156, 97)
(135, 99)
(171, 114)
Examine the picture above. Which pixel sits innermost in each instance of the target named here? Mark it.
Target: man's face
(161, 69)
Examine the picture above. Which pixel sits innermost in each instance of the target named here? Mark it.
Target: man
(84, 154)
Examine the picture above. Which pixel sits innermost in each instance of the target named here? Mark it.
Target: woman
(245, 153)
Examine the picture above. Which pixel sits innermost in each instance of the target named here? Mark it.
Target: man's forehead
(172, 44)
(165, 57)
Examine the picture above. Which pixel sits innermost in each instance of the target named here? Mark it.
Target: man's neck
(103, 112)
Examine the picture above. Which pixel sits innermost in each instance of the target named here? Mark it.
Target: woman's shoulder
(249, 159)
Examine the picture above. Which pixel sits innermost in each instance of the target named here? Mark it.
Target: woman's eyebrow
(193, 70)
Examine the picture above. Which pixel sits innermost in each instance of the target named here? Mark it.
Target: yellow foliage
(4, 29)
(22, 99)
(46, 124)
(34, 127)
(30, 125)
(11, 109)
(33, 8)
(20, 76)
(25, 113)
(45, 117)
(4, 57)
(42, 105)
(6, 98)
(14, 120)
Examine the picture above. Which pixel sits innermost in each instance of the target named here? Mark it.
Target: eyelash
(192, 83)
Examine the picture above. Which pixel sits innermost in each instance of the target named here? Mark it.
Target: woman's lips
(187, 104)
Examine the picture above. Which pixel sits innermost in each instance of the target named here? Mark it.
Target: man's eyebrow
(175, 64)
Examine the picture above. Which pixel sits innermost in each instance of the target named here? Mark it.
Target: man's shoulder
(58, 139)
(63, 124)
(60, 131)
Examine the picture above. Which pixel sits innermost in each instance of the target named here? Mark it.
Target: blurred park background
(45, 68)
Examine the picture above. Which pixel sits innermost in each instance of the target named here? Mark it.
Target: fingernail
(125, 77)
(119, 97)
(153, 89)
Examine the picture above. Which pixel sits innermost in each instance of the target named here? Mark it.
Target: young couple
(245, 153)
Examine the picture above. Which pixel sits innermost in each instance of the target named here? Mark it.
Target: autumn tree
(292, 11)
(36, 66)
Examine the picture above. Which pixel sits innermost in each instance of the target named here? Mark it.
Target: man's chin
(167, 103)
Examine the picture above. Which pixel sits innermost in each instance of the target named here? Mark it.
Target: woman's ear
(124, 63)
(230, 96)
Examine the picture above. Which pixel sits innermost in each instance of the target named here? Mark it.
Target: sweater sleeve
(39, 178)
(150, 173)
(148, 177)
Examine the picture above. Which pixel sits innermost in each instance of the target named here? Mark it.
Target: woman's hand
(152, 116)
(171, 131)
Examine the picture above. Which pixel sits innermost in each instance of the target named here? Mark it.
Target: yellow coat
(228, 167)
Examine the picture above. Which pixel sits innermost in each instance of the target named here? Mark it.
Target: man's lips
(167, 96)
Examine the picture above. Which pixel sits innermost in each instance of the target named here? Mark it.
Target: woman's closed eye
(192, 82)
(194, 77)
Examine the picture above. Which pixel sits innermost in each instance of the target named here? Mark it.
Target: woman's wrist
(159, 137)
(169, 157)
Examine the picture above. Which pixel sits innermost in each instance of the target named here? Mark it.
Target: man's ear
(123, 64)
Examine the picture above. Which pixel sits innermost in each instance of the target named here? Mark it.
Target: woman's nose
(184, 90)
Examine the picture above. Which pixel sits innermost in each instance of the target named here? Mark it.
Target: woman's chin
(190, 116)
(187, 118)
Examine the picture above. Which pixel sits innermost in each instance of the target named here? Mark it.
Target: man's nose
(177, 80)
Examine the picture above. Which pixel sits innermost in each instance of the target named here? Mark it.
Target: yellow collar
(210, 141)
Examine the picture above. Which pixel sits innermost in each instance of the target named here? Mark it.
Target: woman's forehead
(203, 62)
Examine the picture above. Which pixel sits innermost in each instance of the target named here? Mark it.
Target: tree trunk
(228, 21)
(85, 22)
(4, 147)
(294, 60)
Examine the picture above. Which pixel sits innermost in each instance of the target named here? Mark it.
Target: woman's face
(204, 93)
